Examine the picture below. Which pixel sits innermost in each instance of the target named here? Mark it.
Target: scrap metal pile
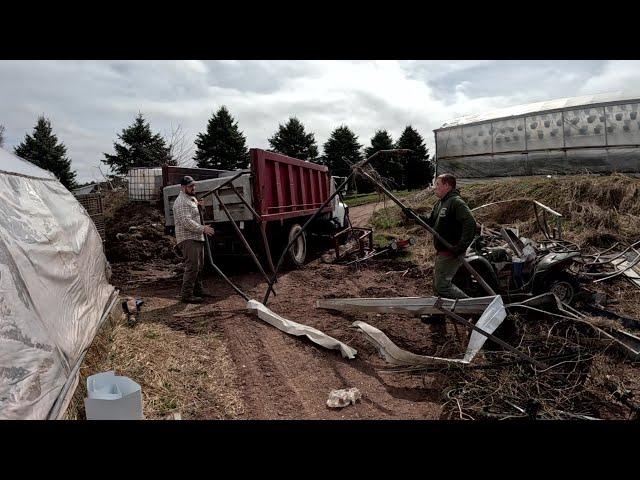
(568, 346)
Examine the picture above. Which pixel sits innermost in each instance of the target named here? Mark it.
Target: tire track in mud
(266, 391)
(287, 377)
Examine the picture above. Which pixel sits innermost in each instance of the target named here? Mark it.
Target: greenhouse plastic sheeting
(574, 135)
(537, 107)
(54, 292)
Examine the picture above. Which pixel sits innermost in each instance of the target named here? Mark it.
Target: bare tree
(180, 149)
(1, 135)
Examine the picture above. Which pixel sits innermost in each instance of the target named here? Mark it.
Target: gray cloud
(90, 102)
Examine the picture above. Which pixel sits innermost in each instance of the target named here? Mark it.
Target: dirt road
(267, 373)
(361, 214)
(280, 376)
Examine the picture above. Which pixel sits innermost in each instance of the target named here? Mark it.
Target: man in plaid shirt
(190, 238)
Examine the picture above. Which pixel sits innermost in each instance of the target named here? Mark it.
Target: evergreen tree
(291, 140)
(139, 148)
(418, 172)
(1, 135)
(42, 149)
(389, 166)
(340, 151)
(223, 145)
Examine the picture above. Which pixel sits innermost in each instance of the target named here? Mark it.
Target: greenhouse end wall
(582, 139)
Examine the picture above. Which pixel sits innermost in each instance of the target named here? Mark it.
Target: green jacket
(453, 220)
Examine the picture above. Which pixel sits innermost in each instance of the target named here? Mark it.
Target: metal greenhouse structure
(597, 133)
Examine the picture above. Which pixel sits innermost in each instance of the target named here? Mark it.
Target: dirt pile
(135, 231)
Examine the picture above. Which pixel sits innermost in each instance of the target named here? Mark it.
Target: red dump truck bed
(285, 187)
(284, 191)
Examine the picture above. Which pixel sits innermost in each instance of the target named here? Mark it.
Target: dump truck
(281, 194)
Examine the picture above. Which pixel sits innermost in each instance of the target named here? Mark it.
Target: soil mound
(136, 232)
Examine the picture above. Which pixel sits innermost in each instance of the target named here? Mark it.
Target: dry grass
(598, 211)
(96, 357)
(113, 200)
(178, 371)
(608, 204)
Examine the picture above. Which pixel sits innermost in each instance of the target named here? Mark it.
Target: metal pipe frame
(319, 210)
(422, 223)
(242, 237)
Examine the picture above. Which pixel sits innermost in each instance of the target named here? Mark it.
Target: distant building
(597, 133)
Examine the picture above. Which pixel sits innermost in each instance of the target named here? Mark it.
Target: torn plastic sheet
(297, 329)
(489, 321)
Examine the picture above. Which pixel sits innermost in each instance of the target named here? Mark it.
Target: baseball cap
(187, 180)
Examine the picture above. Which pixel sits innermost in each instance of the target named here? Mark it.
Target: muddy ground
(218, 361)
(280, 376)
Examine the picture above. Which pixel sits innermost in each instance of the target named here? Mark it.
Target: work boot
(204, 295)
(433, 319)
(192, 299)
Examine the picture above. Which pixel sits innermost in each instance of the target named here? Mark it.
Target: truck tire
(298, 252)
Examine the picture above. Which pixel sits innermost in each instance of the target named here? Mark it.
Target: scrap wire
(609, 275)
(609, 260)
(487, 366)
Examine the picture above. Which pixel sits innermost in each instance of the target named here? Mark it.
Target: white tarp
(297, 329)
(53, 289)
(490, 320)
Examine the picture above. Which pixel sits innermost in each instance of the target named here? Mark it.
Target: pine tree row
(223, 146)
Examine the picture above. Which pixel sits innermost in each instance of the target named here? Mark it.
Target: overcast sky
(90, 102)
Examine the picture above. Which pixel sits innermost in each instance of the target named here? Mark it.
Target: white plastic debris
(489, 321)
(342, 398)
(112, 397)
(298, 329)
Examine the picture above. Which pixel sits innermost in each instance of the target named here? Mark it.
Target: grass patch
(386, 218)
(596, 209)
(181, 365)
(364, 198)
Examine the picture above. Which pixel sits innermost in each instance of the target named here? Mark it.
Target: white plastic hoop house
(54, 291)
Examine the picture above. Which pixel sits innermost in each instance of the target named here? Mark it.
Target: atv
(513, 278)
(518, 267)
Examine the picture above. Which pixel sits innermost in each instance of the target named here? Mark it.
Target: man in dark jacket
(453, 220)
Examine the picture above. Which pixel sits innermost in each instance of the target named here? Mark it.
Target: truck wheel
(298, 251)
